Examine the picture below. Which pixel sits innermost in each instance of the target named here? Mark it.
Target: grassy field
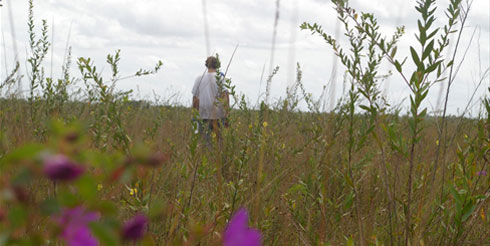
(299, 174)
(363, 174)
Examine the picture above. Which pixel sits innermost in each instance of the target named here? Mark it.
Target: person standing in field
(210, 99)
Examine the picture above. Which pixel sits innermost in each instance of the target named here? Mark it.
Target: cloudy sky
(173, 31)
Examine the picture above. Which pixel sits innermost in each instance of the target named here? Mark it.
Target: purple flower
(75, 222)
(134, 229)
(60, 168)
(237, 233)
(482, 173)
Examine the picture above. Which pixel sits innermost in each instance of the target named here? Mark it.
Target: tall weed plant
(362, 174)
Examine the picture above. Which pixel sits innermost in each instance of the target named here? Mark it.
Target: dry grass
(305, 195)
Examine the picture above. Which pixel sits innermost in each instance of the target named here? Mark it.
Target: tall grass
(362, 174)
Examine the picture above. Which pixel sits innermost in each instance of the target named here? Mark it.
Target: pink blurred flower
(481, 173)
(134, 229)
(237, 233)
(60, 168)
(74, 222)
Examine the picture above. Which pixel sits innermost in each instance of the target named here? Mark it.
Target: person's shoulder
(209, 76)
(199, 78)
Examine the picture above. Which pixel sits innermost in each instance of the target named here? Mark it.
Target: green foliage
(361, 31)
(359, 175)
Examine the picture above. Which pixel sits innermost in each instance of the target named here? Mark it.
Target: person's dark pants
(209, 126)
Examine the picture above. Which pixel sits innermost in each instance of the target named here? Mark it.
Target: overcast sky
(173, 31)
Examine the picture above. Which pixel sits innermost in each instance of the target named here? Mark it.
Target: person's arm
(195, 103)
(195, 98)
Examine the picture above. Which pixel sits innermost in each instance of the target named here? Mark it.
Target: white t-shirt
(206, 90)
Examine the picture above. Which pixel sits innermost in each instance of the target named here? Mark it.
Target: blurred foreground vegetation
(363, 174)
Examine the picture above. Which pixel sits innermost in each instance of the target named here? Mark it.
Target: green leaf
(431, 20)
(106, 235)
(24, 177)
(17, 216)
(393, 51)
(297, 188)
(455, 194)
(366, 108)
(428, 50)
(49, 206)
(432, 67)
(423, 36)
(398, 66)
(432, 34)
(107, 208)
(415, 57)
(350, 241)
(87, 188)
(26, 152)
(467, 210)
(349, 201)
(68, 199)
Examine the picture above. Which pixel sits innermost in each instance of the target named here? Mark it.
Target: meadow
(366, 173)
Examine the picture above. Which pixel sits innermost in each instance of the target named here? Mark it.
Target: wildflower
(265, 124)
(133, 191)
(134, 229)
(75, 222)
(237, 232)
(59, 167)
(482, 214)
(481, 173)
(100, 187)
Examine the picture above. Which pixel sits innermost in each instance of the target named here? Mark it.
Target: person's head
(212, 63)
